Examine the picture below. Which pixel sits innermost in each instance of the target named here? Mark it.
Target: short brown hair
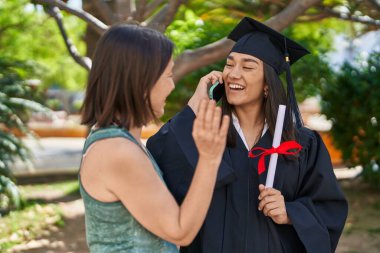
(128, 61)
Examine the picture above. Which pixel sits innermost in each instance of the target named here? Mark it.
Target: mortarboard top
(254, 38)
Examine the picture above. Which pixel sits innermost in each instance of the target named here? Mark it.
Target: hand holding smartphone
(216, 91)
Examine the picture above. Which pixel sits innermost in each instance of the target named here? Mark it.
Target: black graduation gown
(314, 201)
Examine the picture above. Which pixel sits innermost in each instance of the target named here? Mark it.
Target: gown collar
(235, 122)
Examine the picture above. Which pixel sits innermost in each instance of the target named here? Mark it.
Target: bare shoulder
(117, 153)
(110, 164)
(118, 145)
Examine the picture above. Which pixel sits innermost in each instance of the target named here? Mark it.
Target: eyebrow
(244, 59)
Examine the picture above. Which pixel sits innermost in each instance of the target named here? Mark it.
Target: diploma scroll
(275, 144)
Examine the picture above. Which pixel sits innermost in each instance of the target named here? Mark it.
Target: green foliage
(16, 104)
(190, 31)
(27, 32)
(352, 103)
(9, 195)
(311, 72)
(309, 75)
(54, 104)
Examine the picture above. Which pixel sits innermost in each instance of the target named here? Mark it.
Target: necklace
(260, 133)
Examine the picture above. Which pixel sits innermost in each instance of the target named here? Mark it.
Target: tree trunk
(120, 8)
(91, 36)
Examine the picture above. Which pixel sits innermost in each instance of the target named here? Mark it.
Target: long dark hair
(127, 62)
(276, 96)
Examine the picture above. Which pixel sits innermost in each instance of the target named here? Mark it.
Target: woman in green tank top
(128, 207)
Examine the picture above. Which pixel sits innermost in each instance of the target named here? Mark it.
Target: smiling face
(161, 90)
(243, 76)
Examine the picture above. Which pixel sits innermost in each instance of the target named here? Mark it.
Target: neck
(136, 132)
(250, 116)
(251, 120)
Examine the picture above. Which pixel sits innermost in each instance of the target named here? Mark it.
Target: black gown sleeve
(319, 212)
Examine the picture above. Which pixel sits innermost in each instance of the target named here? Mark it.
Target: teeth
(235, 86)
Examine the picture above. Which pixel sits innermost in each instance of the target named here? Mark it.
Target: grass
(374, 230)
(60, 188)
(38, 218)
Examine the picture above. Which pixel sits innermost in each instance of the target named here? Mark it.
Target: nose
(235, 73)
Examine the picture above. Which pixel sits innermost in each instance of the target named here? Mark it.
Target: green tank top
(109, 225)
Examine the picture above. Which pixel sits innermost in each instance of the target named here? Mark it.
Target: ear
(266, 88)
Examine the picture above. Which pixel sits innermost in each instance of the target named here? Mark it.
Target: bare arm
(133, 180)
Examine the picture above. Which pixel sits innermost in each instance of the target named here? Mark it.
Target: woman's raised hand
(209, 132)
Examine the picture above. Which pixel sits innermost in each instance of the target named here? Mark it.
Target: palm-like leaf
(17, 101)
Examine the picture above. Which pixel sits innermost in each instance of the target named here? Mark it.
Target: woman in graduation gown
(305, 211)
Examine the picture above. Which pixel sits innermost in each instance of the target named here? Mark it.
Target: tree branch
(85, 62)
(166, 15)
(313, 17)
(124, 9)
(289, 15)
(151, 7)
(140, 9)
(276, 2)
(191, 60)
(376, 3)
(95, 23)
(105, 11)
(346, 16)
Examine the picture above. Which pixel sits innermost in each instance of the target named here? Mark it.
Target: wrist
(209, 162)
(193, 104)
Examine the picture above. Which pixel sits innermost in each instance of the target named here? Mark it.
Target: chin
(159, 113)
(234, 101)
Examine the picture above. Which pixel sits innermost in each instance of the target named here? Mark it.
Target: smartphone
(216, 91)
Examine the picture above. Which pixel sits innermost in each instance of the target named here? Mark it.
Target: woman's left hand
(272, 204)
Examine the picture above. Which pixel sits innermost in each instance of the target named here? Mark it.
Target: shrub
(352, 102)
(16, 104)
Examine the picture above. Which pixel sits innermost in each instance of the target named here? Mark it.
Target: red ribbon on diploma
(282, 149)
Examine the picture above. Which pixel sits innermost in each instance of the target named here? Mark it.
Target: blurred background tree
(199, 29)
(27, 32)
(352, 103)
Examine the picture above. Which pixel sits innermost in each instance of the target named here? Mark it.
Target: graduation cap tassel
(292, 97)
(290, 89)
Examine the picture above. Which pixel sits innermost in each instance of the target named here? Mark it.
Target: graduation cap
(254, 38)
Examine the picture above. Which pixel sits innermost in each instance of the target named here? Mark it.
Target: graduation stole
(283, 149)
